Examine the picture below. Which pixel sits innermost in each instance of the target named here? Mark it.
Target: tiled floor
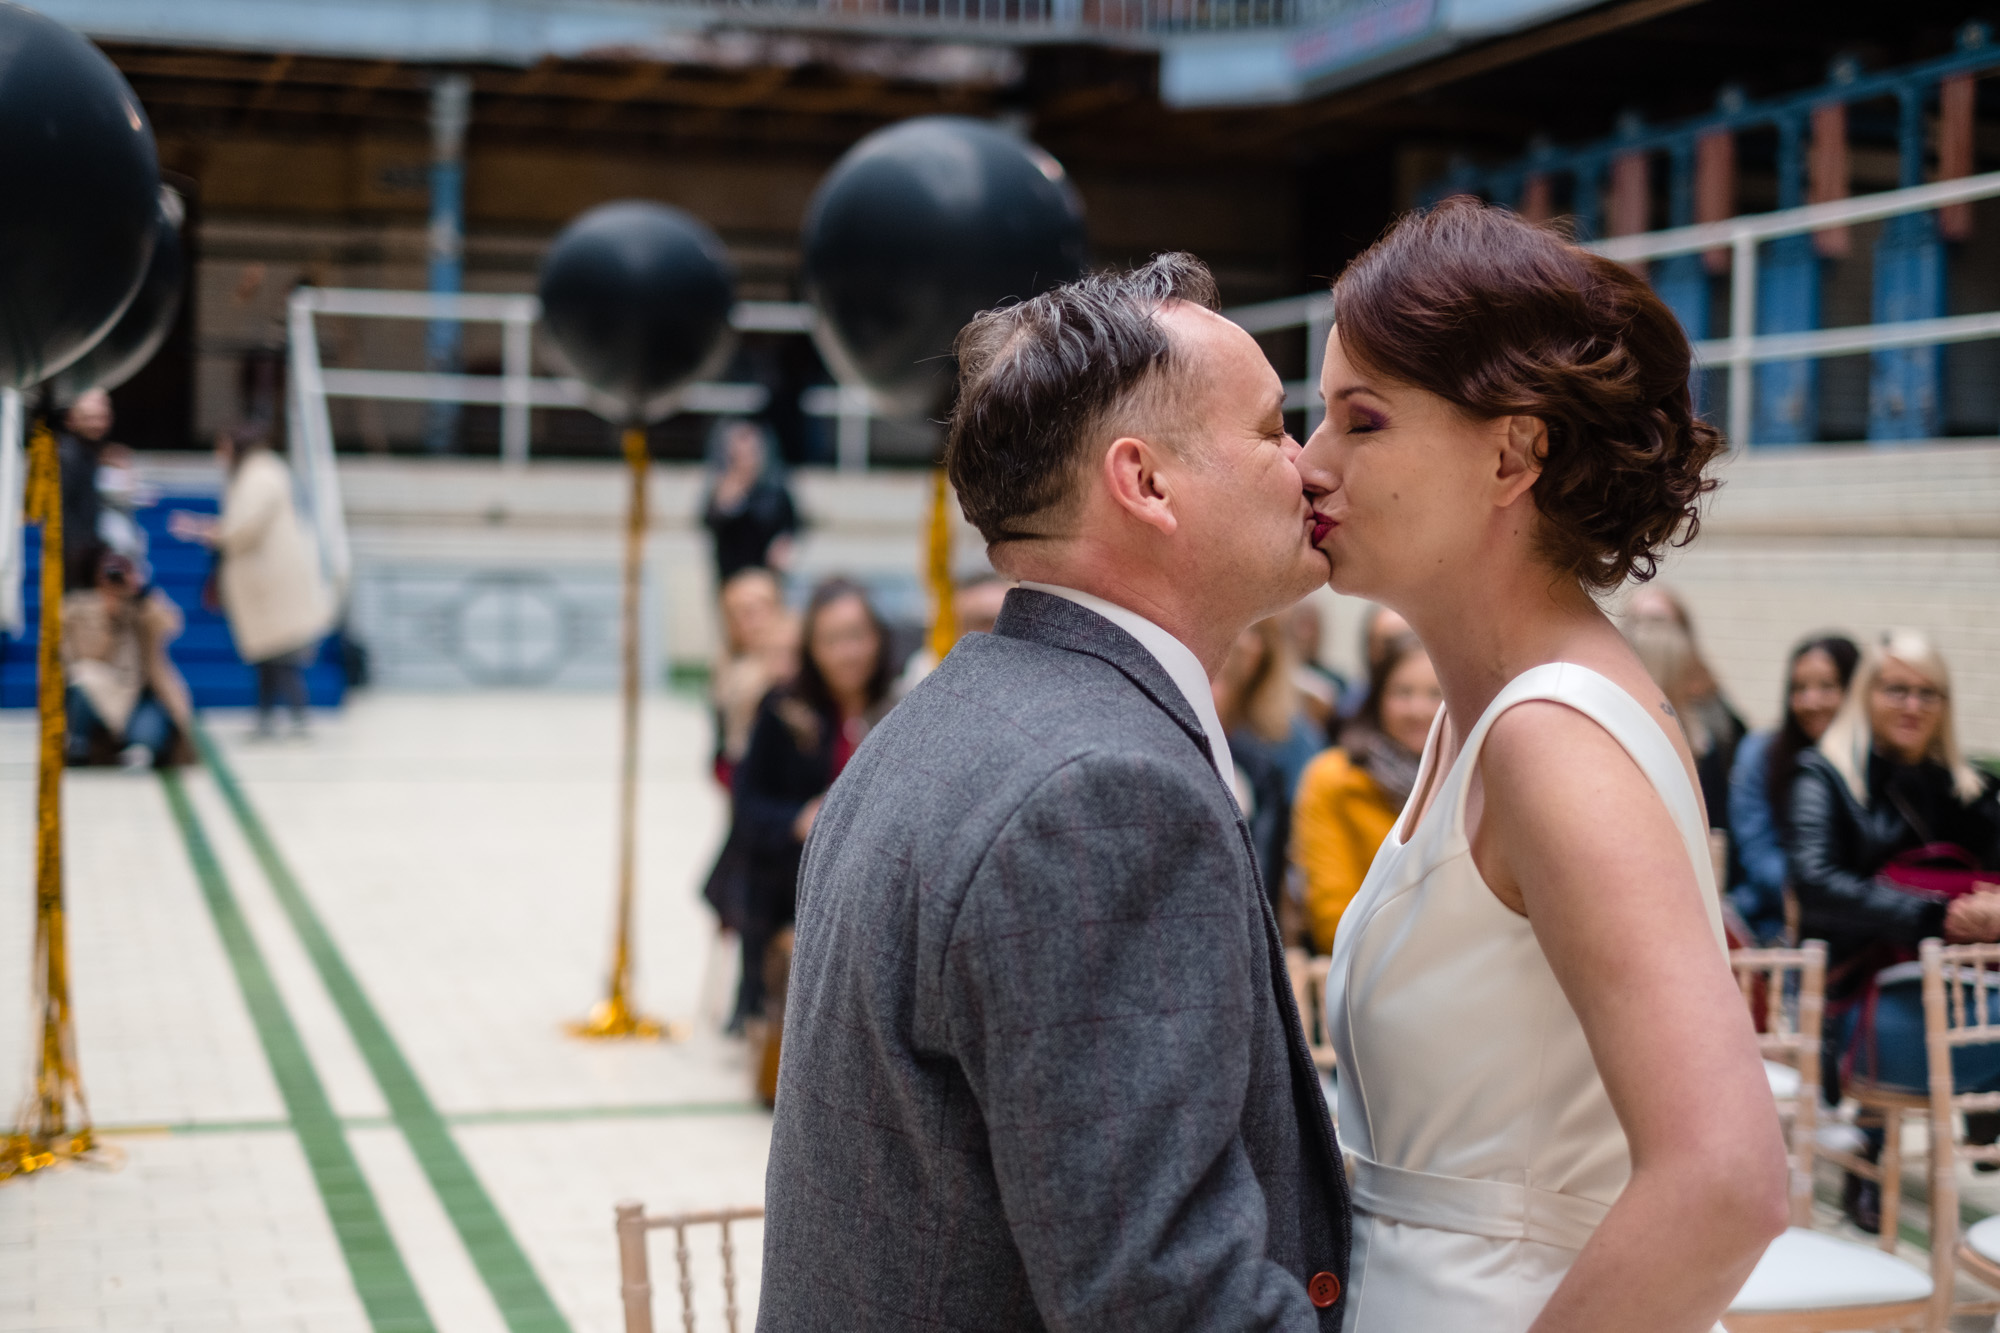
(458, 849)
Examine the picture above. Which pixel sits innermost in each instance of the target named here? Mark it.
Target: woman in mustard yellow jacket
(1350, 796)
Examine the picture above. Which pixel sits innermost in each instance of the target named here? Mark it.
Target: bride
(1549, 1090)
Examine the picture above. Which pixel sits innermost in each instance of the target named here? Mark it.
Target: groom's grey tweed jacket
(1042, 1067)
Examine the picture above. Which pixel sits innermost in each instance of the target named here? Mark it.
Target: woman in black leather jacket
(1886, 779)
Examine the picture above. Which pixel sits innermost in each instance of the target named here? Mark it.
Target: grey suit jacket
(1041, 1064)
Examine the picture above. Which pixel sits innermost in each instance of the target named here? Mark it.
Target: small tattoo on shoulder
(1668, 709)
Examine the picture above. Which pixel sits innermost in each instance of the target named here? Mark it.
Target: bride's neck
(1481, 633)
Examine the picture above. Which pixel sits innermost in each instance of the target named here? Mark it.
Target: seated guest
(760, 648)
(804, 734)
(1351, 796)
(1319, 685)
(1270, 738)
(126, 699)
(975, 605)
(1380, 627)
(1886, 780)
(1760, 781)
(1704, 710)
(977, 601)
(1670, 658)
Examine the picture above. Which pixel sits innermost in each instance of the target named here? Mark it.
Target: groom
(1042, 1067)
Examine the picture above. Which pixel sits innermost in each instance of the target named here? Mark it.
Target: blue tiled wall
(205, 653)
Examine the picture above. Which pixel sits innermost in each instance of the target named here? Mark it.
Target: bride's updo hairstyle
(1504, 318)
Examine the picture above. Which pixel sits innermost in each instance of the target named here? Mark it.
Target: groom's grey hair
(1041, 382)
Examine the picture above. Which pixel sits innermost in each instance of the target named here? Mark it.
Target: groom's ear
(1138, 485)
(1523, 444)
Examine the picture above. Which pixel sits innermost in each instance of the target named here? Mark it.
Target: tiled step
(205, 653)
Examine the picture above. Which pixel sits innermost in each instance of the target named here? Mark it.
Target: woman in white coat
(277, 606)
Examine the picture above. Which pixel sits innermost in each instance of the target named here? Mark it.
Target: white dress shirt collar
(1183, 668)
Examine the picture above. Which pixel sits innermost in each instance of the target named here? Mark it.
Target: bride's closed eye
(1361, 421)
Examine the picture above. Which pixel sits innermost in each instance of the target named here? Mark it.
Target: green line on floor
(502, 1264)
(383, 1281)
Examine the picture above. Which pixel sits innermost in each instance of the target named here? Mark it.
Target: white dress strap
(1608, 705)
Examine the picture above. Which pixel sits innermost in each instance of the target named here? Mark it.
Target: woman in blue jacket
(1760, 781)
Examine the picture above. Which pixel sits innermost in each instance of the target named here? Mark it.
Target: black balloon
(82, 192)
(124, 352)
(637, 297)
(921, 226)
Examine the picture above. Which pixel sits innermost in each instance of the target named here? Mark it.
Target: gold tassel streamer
(944, 618)
(44, 1137)
(614, 1016)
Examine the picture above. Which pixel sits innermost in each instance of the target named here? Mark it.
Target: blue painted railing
(1906, 389)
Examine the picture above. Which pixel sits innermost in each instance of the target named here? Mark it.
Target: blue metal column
(1787, 407)
(1906, 385)
(1588, 205)
(451, 102)
(1681, 280)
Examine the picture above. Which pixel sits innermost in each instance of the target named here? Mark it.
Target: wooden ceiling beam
(363, 89)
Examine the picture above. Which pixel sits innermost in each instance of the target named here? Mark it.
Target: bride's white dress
(1483, 1146)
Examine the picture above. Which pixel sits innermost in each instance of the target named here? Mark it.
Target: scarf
(1393, 767)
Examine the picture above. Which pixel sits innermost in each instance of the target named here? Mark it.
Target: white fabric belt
(1491, 1208)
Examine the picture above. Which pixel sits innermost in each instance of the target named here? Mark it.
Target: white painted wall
(1795, 541)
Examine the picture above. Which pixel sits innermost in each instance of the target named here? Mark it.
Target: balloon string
(44, 1137)
(628, 771)
(944, 616)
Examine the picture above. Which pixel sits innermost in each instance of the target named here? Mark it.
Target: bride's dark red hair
(1505, 318)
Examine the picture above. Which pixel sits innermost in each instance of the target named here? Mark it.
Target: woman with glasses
(1883, 809)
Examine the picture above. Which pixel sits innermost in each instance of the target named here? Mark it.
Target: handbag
(1939, 871)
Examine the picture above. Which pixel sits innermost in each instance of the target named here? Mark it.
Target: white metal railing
(1038, 19)
(1314, 310)
(1744, 347)
(516, 390)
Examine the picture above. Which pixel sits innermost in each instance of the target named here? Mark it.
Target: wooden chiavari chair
(1789, 1039)
(1883, 1108)
(1308, 975)
(635, 1277)
(1807, 1282)
(1960, 985)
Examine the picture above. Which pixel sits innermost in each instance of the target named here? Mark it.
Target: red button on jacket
(1324, 1289)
